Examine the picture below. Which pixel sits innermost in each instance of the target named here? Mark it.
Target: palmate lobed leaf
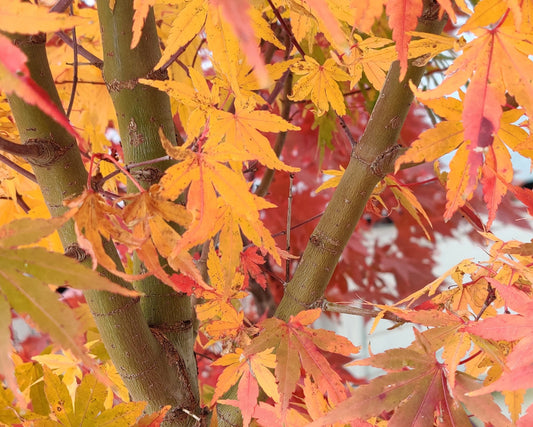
(24, 276)
(18, 16)
(296, 347)
(416, 390)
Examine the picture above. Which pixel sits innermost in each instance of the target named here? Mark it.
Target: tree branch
(30, 151)
(94, 60)
(372, 158)
(141, 112)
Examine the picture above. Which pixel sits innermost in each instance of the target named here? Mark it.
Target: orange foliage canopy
(242, 74)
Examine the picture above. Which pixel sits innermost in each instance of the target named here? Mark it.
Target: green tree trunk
(144, 357)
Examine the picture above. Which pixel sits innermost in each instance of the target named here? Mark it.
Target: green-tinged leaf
(28, 294)
(6, 364)
(28, 376)
(89, 402)
(28, 230)
(53, 268)
(326, 125)
(58, 397)
(124, 414)
(416, 390)
(8, 415)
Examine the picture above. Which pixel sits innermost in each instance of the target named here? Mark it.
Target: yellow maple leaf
(17, 16)
(186, 26)
(320, 83)
(368, 56)
(238, 133)
(332, 182)
(201, 100)
(215, 190)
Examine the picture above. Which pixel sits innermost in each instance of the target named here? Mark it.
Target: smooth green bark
(141, 112)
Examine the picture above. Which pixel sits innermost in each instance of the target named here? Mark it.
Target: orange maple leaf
(403, 17)
(295, 346)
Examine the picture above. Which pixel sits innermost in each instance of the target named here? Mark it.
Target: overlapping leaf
(319, 82)
(18, 16)
(415, 389)
(297, 347)
(15, 79)
(493, 160)
(250, 371)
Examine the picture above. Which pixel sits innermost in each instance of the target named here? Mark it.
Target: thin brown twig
(176, 55)
(347, 131)
(281, 233)
(288, 240)
(93, 60)
(357, 311)
(20, 202)
(18, 168)
(75, 66)
(286, 28)
(21, 150)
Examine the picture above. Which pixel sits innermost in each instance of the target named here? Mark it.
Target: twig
(357, 311)
(20, 202)
(94, 60)
(26, 151)
(75, 65)
(147, 162)
(286, 28)
(347, 131)
(18, 168)
(108, 158)
(176, 55)
(61, 6)
(262, 189)
(281, 233)
(288, 240)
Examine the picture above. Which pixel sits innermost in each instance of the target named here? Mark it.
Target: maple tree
(186, 186)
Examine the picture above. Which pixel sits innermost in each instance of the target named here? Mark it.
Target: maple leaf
(322, 11)
(403, 17)
(499, 57)
(250, 266)
(96, 219)
(15, 79)
(18, 16)
(267, 414)
(149, 215)
(255, 369)
(296, 347)
(368, 56)
(141, 8)
(366, 13)
(240, 138)
(200, 99)
(415, 388)
(320, 83)
(186, 25)
(217, 304)
(237, 13)
(493, 161)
